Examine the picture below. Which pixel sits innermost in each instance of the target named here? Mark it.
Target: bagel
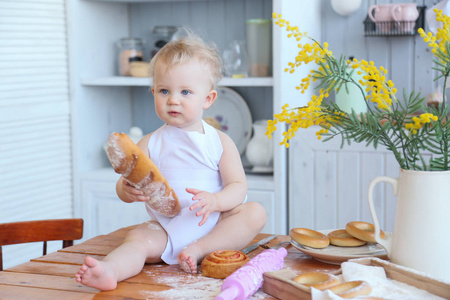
(318, 280)
(310, 238)
(351, 289)
(363, 231)
(341, 238)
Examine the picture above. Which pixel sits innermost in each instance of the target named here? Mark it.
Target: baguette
(139, 170)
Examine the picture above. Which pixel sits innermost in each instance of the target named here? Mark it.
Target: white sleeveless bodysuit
(187, 160)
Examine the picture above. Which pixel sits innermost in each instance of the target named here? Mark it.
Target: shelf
(145, 1)
(141, 81)
(255, 182)
(395, 28)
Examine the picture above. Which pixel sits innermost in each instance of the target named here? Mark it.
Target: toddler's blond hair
(189, 47)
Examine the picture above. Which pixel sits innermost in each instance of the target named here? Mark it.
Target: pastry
(309, 237)
(222, 263)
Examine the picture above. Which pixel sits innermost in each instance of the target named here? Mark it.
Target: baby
(202, 165)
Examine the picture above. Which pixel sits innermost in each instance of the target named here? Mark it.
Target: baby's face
(182, 93)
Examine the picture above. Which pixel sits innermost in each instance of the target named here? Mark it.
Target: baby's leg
(144, 243)
(234, 230)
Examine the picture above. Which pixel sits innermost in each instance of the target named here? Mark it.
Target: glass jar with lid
(130, 49)
(161, 35)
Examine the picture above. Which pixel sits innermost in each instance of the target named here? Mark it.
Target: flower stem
(387, 140)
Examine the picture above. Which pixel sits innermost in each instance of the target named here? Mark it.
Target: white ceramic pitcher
(421, 236)
(259, 150)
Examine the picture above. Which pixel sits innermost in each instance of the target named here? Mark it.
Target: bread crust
(141, 172)
(309, 237)
(351, 289)
(363, 231)
(318, 280)
(342, 238)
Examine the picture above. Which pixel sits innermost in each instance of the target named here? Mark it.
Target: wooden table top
(52, 276)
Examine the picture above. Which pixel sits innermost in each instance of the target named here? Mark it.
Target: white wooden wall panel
(407, 58)
(325, 188)
(35, 143)
(348, 166)
(328, 185)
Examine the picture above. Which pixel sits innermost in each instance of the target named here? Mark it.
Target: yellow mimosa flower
(387, 121)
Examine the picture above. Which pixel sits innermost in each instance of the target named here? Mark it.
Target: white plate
(233, 115)
(337, 255)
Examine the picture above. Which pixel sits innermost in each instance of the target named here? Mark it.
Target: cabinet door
(266, 199)
(103, 212)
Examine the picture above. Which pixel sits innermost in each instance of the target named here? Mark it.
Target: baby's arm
(124, 190)
(234, 181)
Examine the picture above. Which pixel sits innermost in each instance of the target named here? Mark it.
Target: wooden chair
(66, 230)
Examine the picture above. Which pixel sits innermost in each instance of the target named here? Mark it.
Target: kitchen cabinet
(261, 189)
(105, 212)
(104, 102)
(102, 209)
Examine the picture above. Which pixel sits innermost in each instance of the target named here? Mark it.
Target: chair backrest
(66, 230)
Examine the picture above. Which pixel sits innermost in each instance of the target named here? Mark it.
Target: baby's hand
(132, 193)
(205, 200)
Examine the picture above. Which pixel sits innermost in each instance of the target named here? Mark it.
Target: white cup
(405, 17)
(383, 16)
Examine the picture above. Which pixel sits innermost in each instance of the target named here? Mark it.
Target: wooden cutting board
(280, 285)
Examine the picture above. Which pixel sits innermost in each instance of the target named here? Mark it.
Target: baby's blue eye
(185, 92)
(164, 91)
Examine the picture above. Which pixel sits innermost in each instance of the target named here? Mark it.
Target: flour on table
(189, 287)
(381, 285)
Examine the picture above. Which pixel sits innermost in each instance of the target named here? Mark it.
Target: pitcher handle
(371, 8)
(396, 9)
(385, 243)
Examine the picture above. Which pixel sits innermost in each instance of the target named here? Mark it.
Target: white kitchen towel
(382, 286)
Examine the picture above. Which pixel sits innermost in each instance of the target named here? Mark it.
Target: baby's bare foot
(187, 259)
(96, 274)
